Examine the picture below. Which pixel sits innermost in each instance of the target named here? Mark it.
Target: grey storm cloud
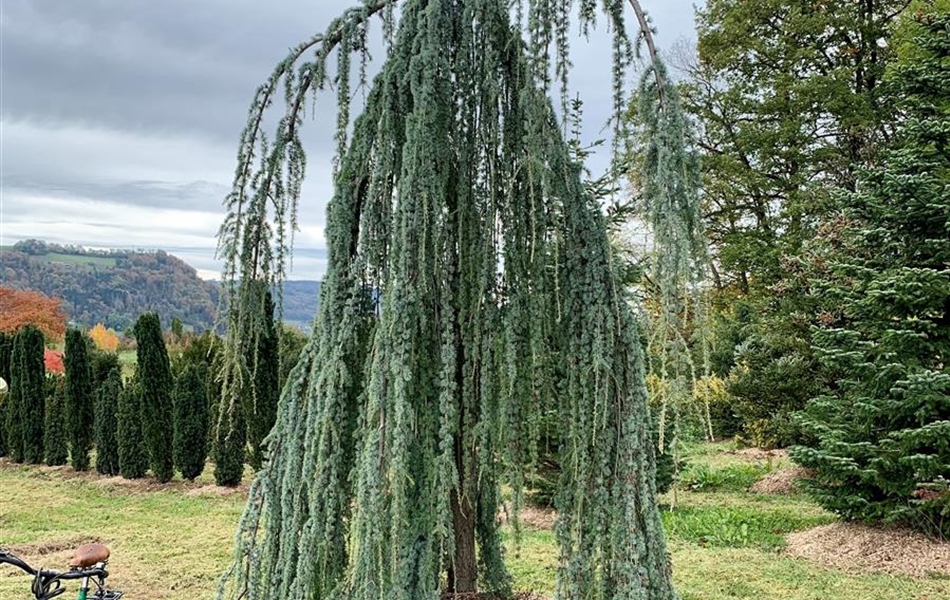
(120, 119)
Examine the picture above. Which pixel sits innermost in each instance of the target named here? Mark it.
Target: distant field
(76, 259)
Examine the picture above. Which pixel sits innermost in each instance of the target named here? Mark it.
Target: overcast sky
(119, 119)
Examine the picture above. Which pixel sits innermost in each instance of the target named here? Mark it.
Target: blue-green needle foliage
(469, 276)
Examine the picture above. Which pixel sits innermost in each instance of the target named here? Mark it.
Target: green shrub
(699, 477)
(736, 526)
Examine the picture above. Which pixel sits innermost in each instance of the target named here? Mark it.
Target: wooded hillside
(111, 286)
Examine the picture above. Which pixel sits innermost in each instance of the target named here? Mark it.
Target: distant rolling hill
(112, 287)
(301, 299)
(115, 286)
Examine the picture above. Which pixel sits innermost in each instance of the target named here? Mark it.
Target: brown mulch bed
(478, 596)
(531, 517)
(760, 454)
(51, 547)
(782, 481)
(114, 483)
(852, 547)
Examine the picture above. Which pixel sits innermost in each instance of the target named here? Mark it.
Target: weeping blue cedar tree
(469, 274)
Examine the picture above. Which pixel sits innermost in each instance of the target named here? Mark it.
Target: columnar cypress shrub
(469, 272)
(130, 443)
(155, 379)
(881, 432)
(55, 438)
(29, 379)
(107, 424)
(264, 362)
(103, 363)
(79, 399)
(6, 360)
(229, 445)
(191, 421)
(11, 407)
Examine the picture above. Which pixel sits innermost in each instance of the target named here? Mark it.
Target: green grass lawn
(171, 542)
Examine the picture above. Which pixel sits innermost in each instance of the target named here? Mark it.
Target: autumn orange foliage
(104, 339)
(20, 307)
(53, 361)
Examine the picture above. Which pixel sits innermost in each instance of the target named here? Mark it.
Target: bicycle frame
(45, 579)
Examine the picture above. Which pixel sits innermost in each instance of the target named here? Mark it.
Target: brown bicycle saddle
(88, 555)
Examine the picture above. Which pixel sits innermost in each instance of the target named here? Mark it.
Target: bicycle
(88, 564)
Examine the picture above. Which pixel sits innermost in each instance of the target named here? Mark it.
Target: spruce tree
(880, 433)
(264, 362)
(30, 393)
(191, 421)
(155, 381)
(107, 425)
(469, 272)
(80, 401)
(6, 360)
(130, 442)
(55, 438)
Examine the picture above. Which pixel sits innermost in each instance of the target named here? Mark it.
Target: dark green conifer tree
(130, 442)
(155, 381)
(80, 401)
(191, 421)
(11, 403)
(469, 271)
(6, 361)
(881, 433)
(229, 445)
(29, 377)
(103, 363)
(55, 438)
(263, 359)
(107, 425)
